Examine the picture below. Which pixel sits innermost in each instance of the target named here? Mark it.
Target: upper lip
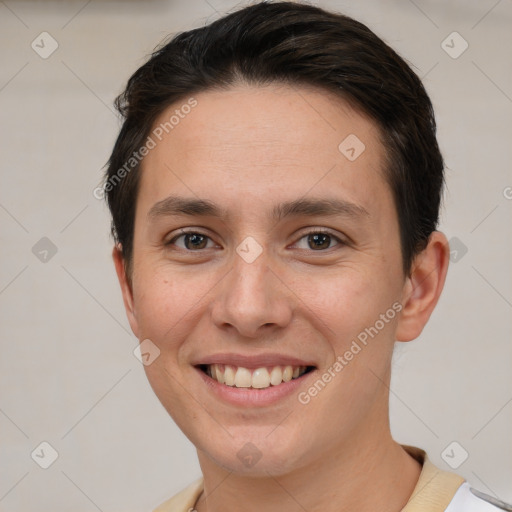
(253, 362)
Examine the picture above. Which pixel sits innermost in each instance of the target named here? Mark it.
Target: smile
(259, 378)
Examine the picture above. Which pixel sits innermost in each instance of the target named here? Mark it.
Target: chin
(256, 453)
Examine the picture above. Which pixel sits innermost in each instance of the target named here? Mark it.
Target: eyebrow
(309, 207)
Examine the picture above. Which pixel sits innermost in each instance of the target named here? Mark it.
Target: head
(275, 192)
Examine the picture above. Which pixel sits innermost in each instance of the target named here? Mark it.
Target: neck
(363, 474)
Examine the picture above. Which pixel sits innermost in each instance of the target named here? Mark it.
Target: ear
(126, 288)
(423, 287)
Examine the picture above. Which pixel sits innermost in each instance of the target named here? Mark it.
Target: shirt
(435, 491)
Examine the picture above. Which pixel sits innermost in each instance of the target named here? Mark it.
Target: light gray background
(68, 375)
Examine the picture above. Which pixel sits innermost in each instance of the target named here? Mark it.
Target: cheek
(343, 298)
(345, 306)
(164, 301)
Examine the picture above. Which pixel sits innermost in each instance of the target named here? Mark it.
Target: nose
(253, 299)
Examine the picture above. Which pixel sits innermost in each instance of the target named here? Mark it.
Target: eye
(319, 240)
(192, 240)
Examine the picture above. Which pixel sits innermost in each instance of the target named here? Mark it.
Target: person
(275, 191)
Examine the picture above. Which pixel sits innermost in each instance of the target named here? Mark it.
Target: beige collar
(435, 488)
(433, 492)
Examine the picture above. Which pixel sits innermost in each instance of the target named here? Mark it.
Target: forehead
(249, 142)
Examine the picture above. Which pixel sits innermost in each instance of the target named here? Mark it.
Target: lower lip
(250, 397)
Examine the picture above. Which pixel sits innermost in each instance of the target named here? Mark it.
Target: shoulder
(184, 501)
(467, 499)
(438, 490)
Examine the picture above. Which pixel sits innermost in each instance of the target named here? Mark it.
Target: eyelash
(317, 231)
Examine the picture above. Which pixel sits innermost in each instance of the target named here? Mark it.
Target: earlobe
(423, 287)
(126, 288)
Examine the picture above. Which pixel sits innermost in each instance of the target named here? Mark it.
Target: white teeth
(287, 373)
(243, 378)
(276, 376)
(260, 378)
(218, 375)
(229, 375)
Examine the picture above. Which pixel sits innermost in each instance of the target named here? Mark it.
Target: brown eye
(195, 241)
(191, 241)
(318, 241)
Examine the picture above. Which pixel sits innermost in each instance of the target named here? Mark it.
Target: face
(263, 241)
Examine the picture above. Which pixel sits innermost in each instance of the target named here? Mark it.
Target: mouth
(258, 378)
